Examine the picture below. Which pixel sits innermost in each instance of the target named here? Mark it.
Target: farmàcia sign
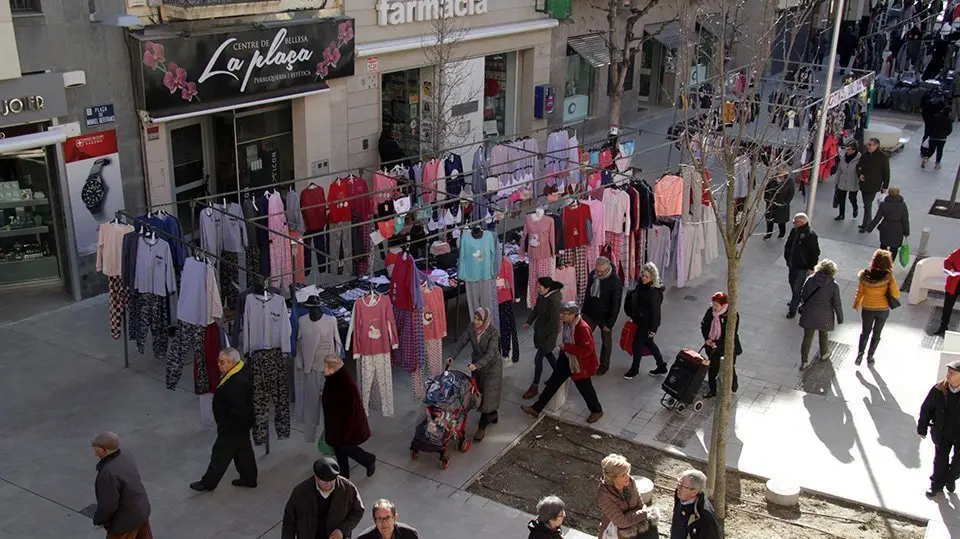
(394, 12)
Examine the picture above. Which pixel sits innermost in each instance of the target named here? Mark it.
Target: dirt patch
(564, 459)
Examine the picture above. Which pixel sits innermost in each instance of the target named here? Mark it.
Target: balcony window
(25, 6)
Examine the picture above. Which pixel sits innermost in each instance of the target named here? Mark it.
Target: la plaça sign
(394, 12)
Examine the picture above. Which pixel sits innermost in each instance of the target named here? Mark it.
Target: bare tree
(716, 141)
(625, 45)
(449, 85)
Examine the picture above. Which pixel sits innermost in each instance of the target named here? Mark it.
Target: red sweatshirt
(313, 205)
(339, 206)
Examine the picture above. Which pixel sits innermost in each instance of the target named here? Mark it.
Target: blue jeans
(796, 277)
(641, 340)
(538, 364)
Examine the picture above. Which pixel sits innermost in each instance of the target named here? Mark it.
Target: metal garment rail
(131, 219)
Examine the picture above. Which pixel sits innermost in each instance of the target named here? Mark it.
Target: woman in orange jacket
(876, 288)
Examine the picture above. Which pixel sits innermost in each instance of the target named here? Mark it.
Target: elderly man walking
(123, 508)
(578, 360)
(940, 414)
(601, 307)
(325, 506)
(801, 253)
(693, 516)
(233, 412)
(386, 525)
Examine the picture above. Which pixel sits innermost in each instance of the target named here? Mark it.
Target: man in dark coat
(893, 220)
(777, 195)
(693, 516)
(874, 172)
(545, 318)
(801, 253)
(326, 505)
(233, 413)
(386, 525)
(602, 306)
(846, 46)
(940, 414)
(344, 418)
(123, 508)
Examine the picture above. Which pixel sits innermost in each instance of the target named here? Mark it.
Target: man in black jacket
(386, 525)
(693, 516)
(602, 305)
(233, 412)
(874, 172)
(801, 252)
(123, 508)
(940, 413)
(325, 505)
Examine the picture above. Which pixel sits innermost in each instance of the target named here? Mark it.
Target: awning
(32, 141)
(669, 34)
(159, 117)
(484, 32)
(592, 48)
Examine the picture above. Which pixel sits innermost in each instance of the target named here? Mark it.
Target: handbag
(892, 301)
(803, 301)
(626, 336)
(322, 445)
(903, 254)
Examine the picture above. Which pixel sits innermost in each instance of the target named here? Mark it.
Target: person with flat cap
(940, 414)
(123, 508)
(325, 506)
(233, 413)
(578, 360)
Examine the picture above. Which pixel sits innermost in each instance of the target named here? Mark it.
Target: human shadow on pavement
(896, 429)
(836, 431)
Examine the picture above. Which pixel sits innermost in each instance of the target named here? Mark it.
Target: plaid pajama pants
(593, 253)
(154, 317)
(270, 387)
(616, 245)
(229, 274)
(577, 259)
(434, 367)
(189, 337)
(543, 267)
(362, 265)
(119, 298)
(411, 354)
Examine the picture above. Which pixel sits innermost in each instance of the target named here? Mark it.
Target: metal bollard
(924, 240)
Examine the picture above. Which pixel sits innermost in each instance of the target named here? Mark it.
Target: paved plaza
(836, 429)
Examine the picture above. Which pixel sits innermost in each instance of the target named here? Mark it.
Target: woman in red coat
(951, 267)
(578, 360)
(345, 420)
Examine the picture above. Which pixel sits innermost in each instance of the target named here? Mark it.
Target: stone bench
(927, 275)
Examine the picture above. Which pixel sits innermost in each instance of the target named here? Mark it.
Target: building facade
(65, 106)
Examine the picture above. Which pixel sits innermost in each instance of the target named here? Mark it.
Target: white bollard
(783, 492)
(924, 240)
(645, 488)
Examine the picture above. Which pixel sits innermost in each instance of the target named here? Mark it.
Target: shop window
(499, 92)
(189, 173)
(28, 247)
(25, 6)
(577, 88)
(265, 145)
(627, 84)
(401, 113)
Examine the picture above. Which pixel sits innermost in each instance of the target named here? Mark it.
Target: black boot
(873, 348)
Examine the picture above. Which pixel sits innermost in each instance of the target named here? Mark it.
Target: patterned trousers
(340, 239)
(577, 259)
(229, 279)
(362, 265)
(615, 240)
(593, 252)
(189, 337)
(411, 354)
(508, 331)
(153, 316)
(281, 271)
(434, 367)
(253, 261)
(544, 267)
(376, 367)
(270, 386)
(119, 298)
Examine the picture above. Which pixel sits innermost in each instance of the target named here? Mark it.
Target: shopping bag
(322, 445)
(904, 254)
(627, 335)
(610, 532)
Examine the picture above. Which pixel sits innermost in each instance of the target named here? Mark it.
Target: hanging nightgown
(281, 272)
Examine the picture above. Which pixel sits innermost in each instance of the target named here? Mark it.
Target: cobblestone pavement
(836, 429)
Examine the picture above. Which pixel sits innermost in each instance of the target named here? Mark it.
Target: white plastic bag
(610, 532)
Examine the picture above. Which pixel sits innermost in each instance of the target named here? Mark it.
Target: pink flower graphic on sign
(322, 70)
(174, 76)
(345, 32)
(153, 54)
(189, 91)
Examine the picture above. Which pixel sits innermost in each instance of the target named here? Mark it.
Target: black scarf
(849, 156)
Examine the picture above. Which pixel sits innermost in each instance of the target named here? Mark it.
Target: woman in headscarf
(545, 318)
(486, 365)
(713, 327)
